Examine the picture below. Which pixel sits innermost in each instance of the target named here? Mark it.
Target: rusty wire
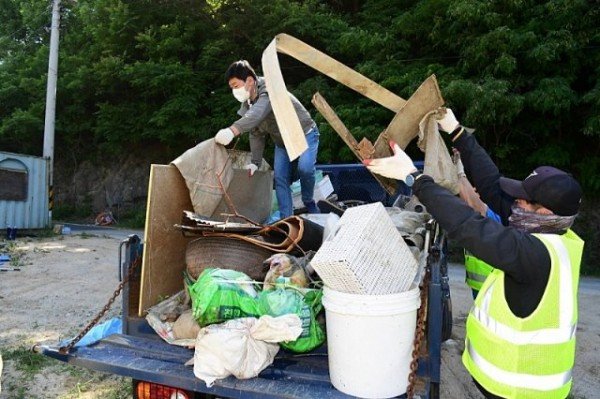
(234, 211)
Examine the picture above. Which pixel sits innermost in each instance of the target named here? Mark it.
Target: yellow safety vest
(529, 357)
(477, 271)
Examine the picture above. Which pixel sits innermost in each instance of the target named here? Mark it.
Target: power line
(44, 14)
(439, 58)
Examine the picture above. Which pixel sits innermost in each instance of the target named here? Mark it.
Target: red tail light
(149, 390)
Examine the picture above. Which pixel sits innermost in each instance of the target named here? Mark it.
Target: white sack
(241, 347)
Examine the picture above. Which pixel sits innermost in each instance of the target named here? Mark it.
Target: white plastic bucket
(370, 341)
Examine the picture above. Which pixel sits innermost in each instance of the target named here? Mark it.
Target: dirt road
(65, 280)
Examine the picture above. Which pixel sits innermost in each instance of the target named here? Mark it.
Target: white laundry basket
(370, 341)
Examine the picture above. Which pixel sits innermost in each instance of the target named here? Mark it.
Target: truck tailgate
(290, 376)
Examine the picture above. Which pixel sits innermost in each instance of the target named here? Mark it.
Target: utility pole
(51, 103)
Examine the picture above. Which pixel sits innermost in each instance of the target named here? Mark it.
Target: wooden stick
(338, 126)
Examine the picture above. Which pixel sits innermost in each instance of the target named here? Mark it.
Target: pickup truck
(157, 369)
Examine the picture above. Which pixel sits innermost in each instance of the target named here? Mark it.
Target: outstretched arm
(479, 167)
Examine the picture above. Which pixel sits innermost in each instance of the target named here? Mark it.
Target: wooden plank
(403, 128)
(405, 125)
(338, 126)
(337, 71)
(285, 114)
(336, 123)
(164, 246)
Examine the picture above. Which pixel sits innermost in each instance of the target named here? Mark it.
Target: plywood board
(13, 185)
(405, 125)
(164, 246)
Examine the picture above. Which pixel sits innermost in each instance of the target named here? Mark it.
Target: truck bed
(151, 359)
(139, 353)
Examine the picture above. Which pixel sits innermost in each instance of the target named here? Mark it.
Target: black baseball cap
(548, 186)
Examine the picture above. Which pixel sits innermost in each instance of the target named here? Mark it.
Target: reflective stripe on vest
(564, 332)
(477, 271)
(480, 278)
(518, 380)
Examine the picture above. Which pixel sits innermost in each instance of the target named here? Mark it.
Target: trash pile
(250, 290)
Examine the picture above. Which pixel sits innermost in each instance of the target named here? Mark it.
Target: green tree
(142, 76)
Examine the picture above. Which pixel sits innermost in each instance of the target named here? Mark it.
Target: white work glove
(251, 169)
(448, 122)
(224, 136)
(396, 167)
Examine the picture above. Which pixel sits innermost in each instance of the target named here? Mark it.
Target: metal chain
(419, 333)
(65, 349)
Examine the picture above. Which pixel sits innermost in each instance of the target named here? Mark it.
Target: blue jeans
(306, 171)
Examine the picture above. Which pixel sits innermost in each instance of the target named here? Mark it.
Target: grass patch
(68, 212)
(134, 218)
(19, 392)
(27, 362)
(81, 381)
(105, 386)
(45, 233)
(17, 256)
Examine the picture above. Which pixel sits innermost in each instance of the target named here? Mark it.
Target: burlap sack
(201, 168)
(438, 163)
(186, 327)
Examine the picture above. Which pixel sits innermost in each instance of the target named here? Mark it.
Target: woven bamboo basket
(226, 253)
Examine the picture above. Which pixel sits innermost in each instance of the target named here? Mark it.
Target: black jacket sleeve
(522, 256)
(484, 175)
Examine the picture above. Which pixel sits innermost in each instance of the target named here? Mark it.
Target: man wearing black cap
(521, 330)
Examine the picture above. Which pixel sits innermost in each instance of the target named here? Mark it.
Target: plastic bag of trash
(242, 347)
(169, 318)
(222, 294)
(306, 304)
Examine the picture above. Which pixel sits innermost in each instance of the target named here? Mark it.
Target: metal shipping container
(23, 191)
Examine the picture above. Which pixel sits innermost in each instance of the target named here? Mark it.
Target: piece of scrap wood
(334, 69)
(403, 128)
(336, 123)
(362, 150)
(285, 114)
(405, 125)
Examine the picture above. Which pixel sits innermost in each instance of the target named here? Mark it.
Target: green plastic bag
(306, 303)
(222, 294)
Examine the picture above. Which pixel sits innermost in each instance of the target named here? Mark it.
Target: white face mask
(241, 94)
